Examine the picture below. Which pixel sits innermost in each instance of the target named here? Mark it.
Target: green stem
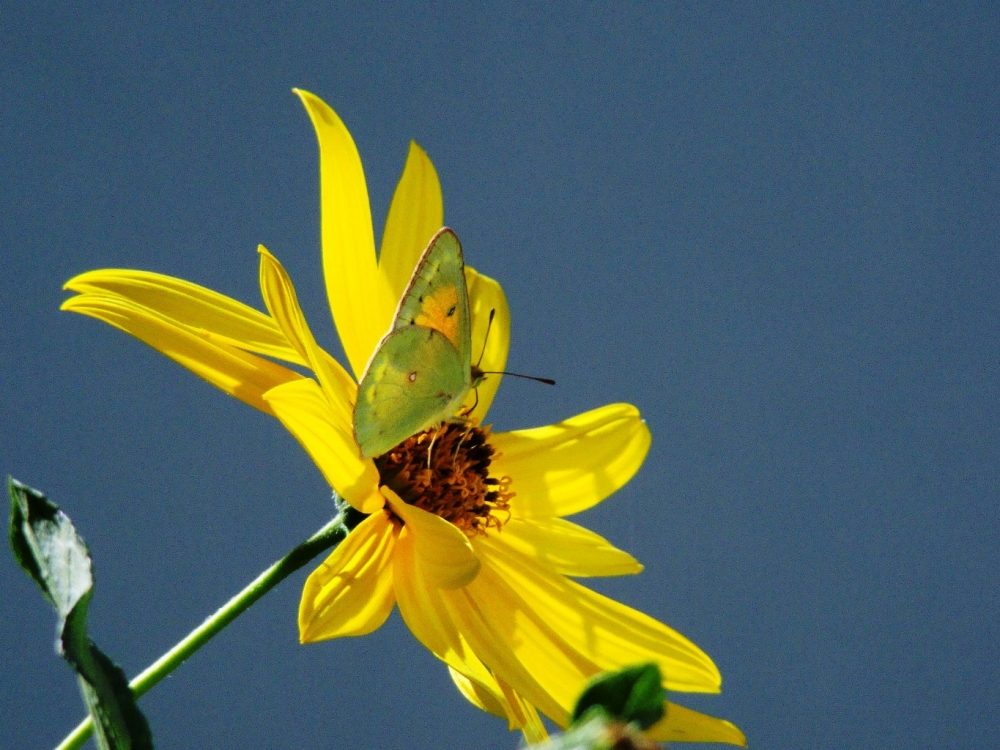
(328, 536)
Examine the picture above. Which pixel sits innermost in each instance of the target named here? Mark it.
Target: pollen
(445, 470)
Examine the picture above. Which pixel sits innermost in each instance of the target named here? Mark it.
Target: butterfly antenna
(547, 381)
(489, 325)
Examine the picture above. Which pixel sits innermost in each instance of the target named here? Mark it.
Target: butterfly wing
(414, 379)
(437, 296)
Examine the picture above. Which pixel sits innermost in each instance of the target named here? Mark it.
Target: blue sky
(773, 229)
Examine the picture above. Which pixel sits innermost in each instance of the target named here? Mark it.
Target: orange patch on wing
(434, 313)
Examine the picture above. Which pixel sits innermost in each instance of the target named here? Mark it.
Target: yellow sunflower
(470, 539)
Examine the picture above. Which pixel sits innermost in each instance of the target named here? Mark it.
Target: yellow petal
(684, 725)
(195, 307)
(566, 547)
(426, 612)
(306, 412)
(243, 375)
(443, 551)
(523, 715)
(351, 593)
(416, 213)
(477, 695)
(490, 617)
(569, 467)
(502, 701)
(594, 627)
(279, 296)
(361, 303)
(485, 294)
(423, 610)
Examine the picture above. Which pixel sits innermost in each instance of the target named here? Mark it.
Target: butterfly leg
(461, 440)
(430, 447)
(464, 413)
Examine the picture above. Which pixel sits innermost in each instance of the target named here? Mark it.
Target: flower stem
(328, 536)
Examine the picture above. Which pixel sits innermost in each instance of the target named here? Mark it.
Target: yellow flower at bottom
(465, 529)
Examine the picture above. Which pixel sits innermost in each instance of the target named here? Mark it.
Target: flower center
(445, 470)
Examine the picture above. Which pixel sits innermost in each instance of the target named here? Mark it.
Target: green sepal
(631, 695)
(46, 545)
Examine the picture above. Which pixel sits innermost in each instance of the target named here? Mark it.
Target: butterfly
(421, 370)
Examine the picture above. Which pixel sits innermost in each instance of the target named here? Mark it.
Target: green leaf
(631, 695)
(47, 546)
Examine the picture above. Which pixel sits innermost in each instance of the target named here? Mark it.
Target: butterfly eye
(413, 377)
